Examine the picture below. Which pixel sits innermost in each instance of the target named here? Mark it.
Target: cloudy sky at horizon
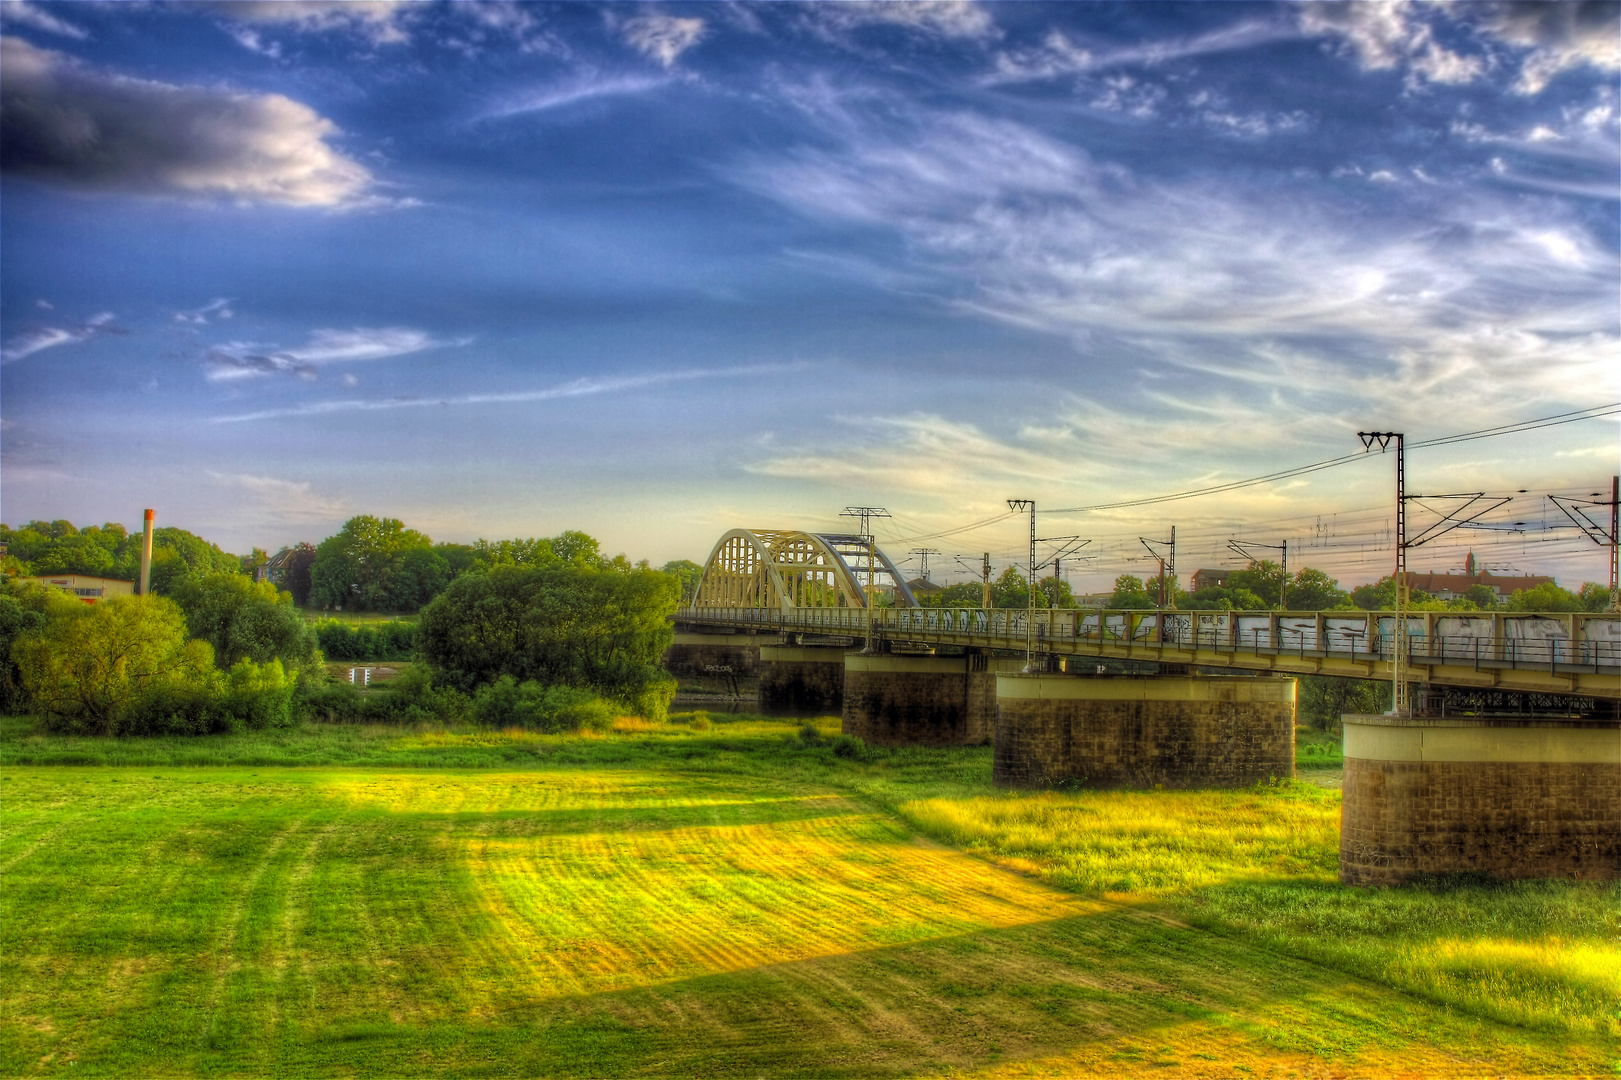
(658, 270)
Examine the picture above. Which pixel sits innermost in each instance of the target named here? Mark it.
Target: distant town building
(924, 587)
(1209, 579)
(86, 588)
(1453, 586)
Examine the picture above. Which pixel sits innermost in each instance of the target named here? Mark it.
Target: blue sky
(658, 270)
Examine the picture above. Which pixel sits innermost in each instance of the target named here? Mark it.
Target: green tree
(376, 564)
(24, 609)
(1010, 590)
(1222, 598)
(688, 573)
(1482, 597)
(1324, 699)
(177, 553)
(246, 620)
(1265, 579)
(1594, 597)
(1130, 595)
(603, 629)
(88, 670)
(1381, 596)
(1050, 589)
(1545, 597)
(295, 575)
(1313, 590)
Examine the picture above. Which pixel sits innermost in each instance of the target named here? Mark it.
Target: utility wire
(1593, 413)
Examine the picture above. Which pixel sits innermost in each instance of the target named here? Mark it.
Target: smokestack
(146, 555)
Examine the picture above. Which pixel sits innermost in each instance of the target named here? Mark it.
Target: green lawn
(733, 901)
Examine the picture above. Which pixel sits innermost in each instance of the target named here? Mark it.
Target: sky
(655, 271)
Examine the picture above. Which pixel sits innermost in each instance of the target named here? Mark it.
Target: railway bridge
(810, 587)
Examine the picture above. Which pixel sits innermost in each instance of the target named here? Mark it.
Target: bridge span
(812, 586)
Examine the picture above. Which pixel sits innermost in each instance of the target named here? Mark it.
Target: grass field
(736, 902)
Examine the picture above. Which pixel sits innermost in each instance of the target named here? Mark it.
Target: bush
(410, 699)
(244, 619)
(849, 746)
(508, 703)
(810, 735)
(376, 641)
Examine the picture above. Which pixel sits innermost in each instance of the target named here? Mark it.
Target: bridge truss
(788, 571)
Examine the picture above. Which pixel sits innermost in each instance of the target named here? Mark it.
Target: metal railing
(1496, 639)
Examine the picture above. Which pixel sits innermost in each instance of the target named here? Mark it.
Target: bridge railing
(1487, 638)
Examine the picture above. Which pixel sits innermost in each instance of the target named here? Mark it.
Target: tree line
(547, 632)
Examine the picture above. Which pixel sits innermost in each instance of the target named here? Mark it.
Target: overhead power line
(1593, 413)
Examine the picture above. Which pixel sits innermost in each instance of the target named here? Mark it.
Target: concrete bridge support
(804, 677)
(897, 700)
(1510, 797)
(1143, 731)
(715, 654)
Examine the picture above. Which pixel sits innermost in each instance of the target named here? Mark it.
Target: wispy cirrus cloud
(246, 360)
(26, 13)
(65, 122)
(575, 92)
(281, 501)
(379, 22)
(574, 389)
(35, 339)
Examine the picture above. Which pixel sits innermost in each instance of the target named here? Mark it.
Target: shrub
(849, 746)
(244, 619)
(376, 641)
(508, 703)
(810, 735)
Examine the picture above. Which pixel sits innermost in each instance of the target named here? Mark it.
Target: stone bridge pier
(898, 700)
(1143, 731)
(802, 677)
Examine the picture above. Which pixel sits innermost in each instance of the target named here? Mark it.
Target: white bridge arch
(785, 570)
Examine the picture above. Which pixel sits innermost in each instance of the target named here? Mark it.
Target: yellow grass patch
(1143, 842)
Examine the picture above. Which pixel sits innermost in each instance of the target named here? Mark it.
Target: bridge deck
(1523, 652)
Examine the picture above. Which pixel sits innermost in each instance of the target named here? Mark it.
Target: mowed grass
(734, 902)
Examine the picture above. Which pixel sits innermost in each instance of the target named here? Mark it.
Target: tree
(688, 573)
(365, 567)
(559, 623)
(1010, 590)
(295, 573)
(25, 607)
(1313, 590)
(1324, 699)
(1222, 598)
(1482, 597)
(1545, 597)
(1130, 595)
(1594, 597)
(1052, 592)
(90, 669)
(177, 553)
(242, 619)
(1264, 578)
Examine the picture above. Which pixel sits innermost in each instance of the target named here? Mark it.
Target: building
(1453, 586)
(922, 587)
(1208, 579)
(85, 587)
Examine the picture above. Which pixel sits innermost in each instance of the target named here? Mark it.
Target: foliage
(112, 551)
(1010, 590)
(1313, 590)
(1545, 597)
(296, 573)
(104, 669)
(24, 609)
(1324, 699)
(367, 641)
(1054, 592)
(1594, 597)
(688, 573)
(1482, 596)
(1223, 598)
(964, 594)
(1266, 579)
(376, 564)
(507, 703)
(558, 623)
(1130, 595)
(246, 620)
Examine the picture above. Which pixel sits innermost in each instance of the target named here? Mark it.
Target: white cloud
(284, 500)
(36, 339)
(662, 37)
(575, 93)
(1391, 34)
(218, 309)
(380, 22)
(575, 389)
(936, 18)
(1059, 55)
(238, 360)
(29, 14)
(64, 122)
(1560, 37)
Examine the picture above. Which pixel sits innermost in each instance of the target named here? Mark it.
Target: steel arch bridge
(787, 571)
